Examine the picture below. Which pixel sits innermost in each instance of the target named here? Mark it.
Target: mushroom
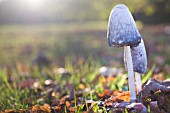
(139, 60)
(122, 32)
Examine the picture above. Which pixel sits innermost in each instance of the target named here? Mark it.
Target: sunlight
(34, 4)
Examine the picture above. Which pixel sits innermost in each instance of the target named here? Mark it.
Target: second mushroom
(139, 60)
(122, 32)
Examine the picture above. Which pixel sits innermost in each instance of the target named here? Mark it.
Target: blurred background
(49, 32)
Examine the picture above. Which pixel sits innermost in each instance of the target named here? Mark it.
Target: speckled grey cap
(139, 58)
(122, 30)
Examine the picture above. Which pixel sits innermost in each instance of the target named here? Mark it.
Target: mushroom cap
(139, 58)
(122, 30)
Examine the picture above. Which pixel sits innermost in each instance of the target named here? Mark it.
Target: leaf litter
(48, 96)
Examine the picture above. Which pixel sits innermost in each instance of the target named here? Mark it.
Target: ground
(56, 67)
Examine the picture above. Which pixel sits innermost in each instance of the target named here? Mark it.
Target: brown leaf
(46, 108)
(119, 96)
(109, 103)
(57, 108)
(9, 111)
(63, 100)
(92, 104)
(14, 111)
(37, 108)
(125, 96)
(116, 92)
(106, 92)
(71, 109)
(81, 86)
(68, 104)
(159, 76)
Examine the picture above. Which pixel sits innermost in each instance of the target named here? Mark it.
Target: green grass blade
(148, 75)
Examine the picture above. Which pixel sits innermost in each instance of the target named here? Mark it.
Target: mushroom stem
(131, 80)
(138, 82)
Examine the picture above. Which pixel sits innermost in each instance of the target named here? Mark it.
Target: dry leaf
(45, 108)
(106, 92)
(57, 108)
(13, 111)
(68, 104)
(120, 96)
(92, 104)
(81, 86)
(71, 109)
(9, 111)
(62, 101)
(35, 107)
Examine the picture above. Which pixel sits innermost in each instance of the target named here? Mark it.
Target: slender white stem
(138, 82)
(131, 80)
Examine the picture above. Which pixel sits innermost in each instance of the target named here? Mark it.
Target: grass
(26, 41)
(81, 49)
(57, 41)
(15, 97)
(12, 96)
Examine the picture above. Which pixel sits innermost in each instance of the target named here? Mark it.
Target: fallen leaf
(45, 108)
(106, 92)
(71, 109)
(13, 111)
(63, 100)
(81, 86)
(9, 111)
(57, 108)
(92, 104)
(120, 96)
(68, 104)
(35, 107)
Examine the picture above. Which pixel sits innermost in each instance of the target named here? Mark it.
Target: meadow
(44, 64)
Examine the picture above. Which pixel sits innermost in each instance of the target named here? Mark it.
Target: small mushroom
(122, 32)
(139, 60)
